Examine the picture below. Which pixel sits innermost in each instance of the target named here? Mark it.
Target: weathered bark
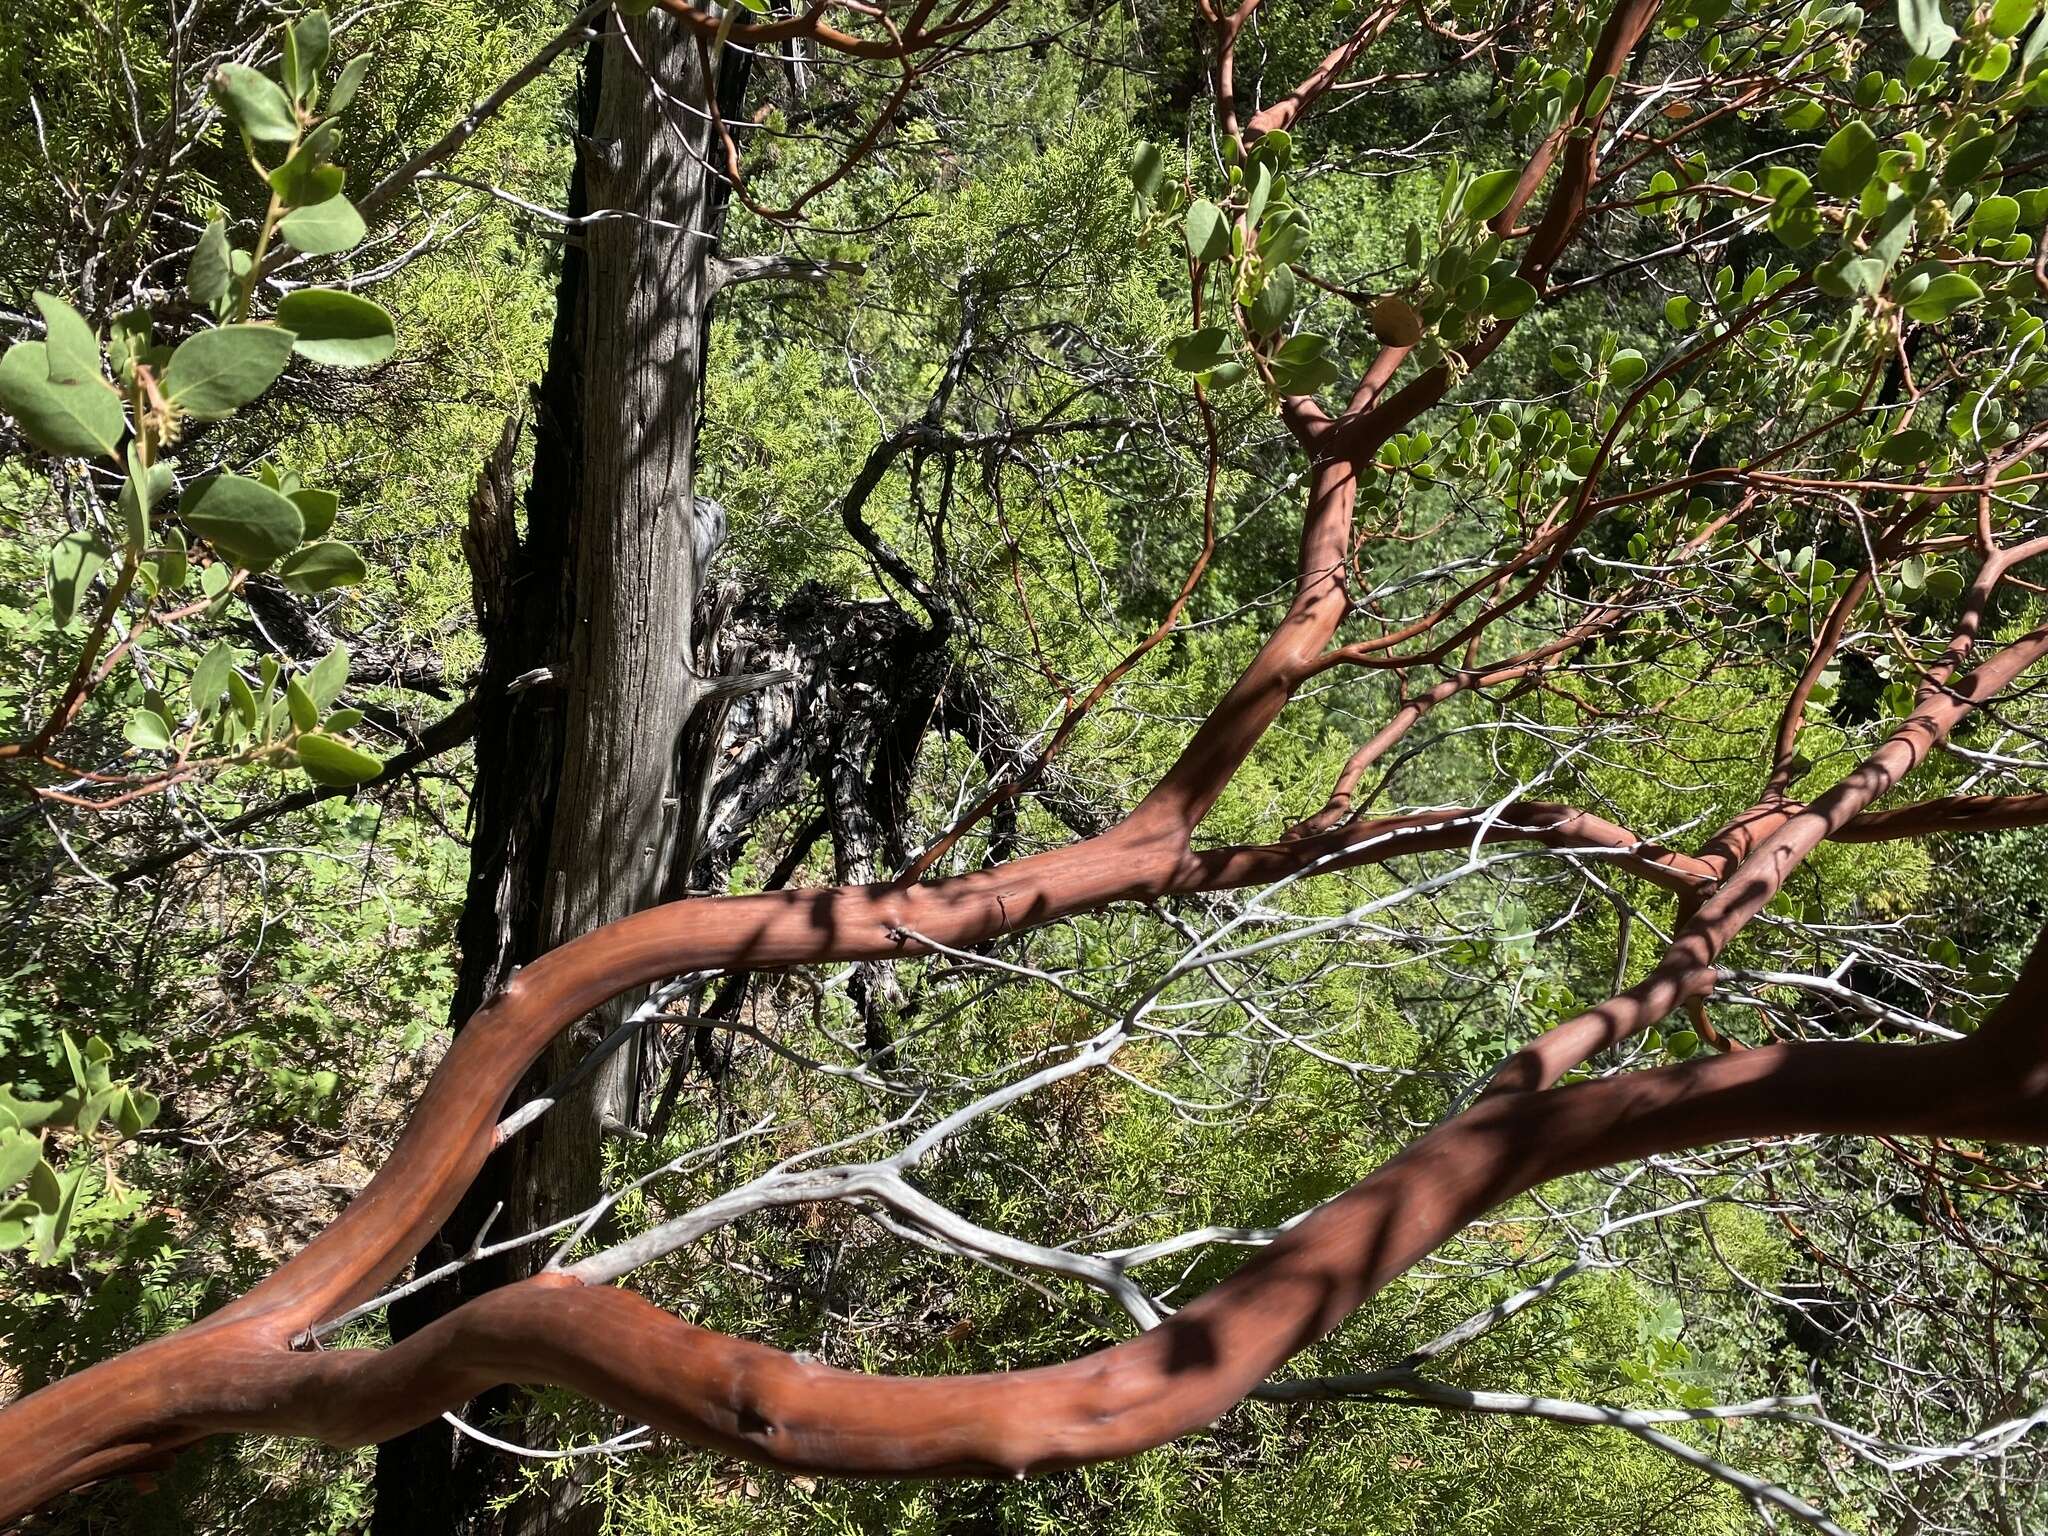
(637, 555)
(587, 682)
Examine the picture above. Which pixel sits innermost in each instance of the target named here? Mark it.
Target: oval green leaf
(317, 508)
(1849, 159)
(249, 523)
(338, 329)
(148, 729)
(1943, 297)
(319, 567)
(1200, 351)
(1507, 297)
(1489, 194)
(256, 103)
(330, 760)
(216, 372)
(73, 346)
(1208, 231)
(82, 420)
(74, 560)
(323, 228)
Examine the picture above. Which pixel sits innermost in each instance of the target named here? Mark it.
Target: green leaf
(1969, 160)
(1280, 241)
(215, 372)
(139, 1110)
(148, 729)
(1273, 303)
(320, 568)
(53, 1229)
(1200, 351)
(1147, 167)
(2036, 41)
(1489, 194)
(1925, 29)
(1992, 63)
(328, 676)
(134, 1111)
(256, 103)
(1945, 584)
(1259, 187)
(82, 420)
(1892, 231)
(24, 1112)
(317, 508)
(309, 38)
(1793, 217)
(249, 523)
(19, 1154)
(145, 486)
(1208, 231)
(211, 272)
(330, 760)
(1943, 297)
(241, 699)
(1847, 275)
(74, 560)
(325, 228)
(1627, 367)
(45, 1187)
(1275, 147)
(305, 713)
(1510, 296)
(306, 178)
(210, 677)
(73, 346)
(1680, 312)
(347, 83)
(336, 328)
(1785, 184)
(1302, 365)
(1304, 378)
(1996, 218)
(1908, 447)
(1849, 159)
(2009, 18)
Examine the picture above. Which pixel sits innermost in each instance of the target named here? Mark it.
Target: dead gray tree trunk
(627, 682)
(588, 680)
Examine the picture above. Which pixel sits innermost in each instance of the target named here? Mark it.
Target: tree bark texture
(587, 681)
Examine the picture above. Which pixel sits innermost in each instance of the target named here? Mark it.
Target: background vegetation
(282, 994)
